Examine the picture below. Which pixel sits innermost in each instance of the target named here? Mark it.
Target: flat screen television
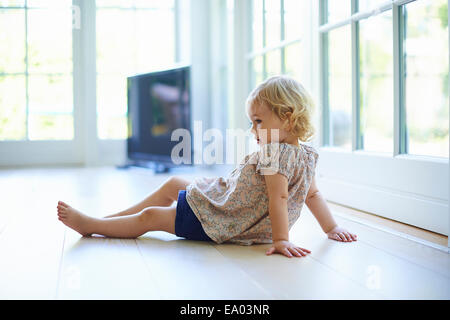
(158, 103)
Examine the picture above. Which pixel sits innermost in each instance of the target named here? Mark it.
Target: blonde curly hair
(283, 94)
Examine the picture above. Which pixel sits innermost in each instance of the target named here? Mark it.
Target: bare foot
(75, 219)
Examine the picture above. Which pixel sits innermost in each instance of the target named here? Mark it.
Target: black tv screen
(158, 103)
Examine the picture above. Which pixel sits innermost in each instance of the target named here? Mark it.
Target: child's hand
(340, 234)
(288, 249)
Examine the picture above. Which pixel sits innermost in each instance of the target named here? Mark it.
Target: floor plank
(30, 250)
(196, 270)
(414, 252)
(293, 278)
(381, 269)
(15, 191)
(104, 268)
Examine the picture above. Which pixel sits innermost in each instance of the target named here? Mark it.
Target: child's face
(263, 122)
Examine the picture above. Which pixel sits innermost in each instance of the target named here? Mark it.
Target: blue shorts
(186, 223)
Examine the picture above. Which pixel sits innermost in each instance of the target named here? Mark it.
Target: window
(376, 83)
(277, 36)
(365, 5)
(340, 87)
(384, 97)
(423, 57)
(337, 10)
(426, 77)
(59, 59)
(36, 99)
(133, 36)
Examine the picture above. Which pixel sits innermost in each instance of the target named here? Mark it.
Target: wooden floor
(40, 258)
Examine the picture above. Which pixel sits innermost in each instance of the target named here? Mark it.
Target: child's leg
(164, 196)
(130, 226)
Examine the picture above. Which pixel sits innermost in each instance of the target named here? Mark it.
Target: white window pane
(294, 61)
(273, 22)
(154, 49)
(273, 63)
(155, 4)
(147, 4)
(114, 3)
(50, 108)
(365, 5)
(257, 25)
(111, 95)
(339, 10)
(12, 3)
(376, 82)
(142, 42)
(292, 24)
(50, 94)
(426, 83)
(116, 50)
(50, 127)
(112, 127)
(12, 108)
(256, 67)
(50, 41)
(12, 41)
(49, 3)
(340, 87)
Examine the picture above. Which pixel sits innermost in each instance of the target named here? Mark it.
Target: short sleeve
(276, 158)
(312, 157)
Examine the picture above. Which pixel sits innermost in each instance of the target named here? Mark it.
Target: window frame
(376, 182)
(176, 53)
(253, 54)
(40, 152)
(86, 148)
(26, 73)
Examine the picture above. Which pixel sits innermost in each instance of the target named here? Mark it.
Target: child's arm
(318, 206)
(277, 189)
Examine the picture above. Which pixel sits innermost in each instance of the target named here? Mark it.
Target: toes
(63, 204)
(62, 214)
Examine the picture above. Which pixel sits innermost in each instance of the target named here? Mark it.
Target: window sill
(389, 225)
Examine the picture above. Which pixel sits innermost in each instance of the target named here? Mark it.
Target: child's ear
(287, 121)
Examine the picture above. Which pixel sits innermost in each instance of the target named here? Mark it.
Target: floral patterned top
(236, 209)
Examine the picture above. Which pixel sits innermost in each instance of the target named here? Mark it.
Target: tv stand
(157, 167)
(160, 168)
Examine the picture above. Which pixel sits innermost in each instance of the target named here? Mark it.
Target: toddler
(258, 202)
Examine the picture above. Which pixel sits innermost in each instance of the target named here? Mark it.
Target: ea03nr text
(247, 309)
